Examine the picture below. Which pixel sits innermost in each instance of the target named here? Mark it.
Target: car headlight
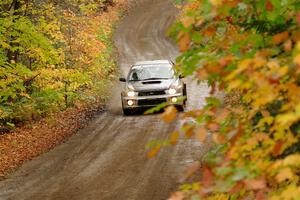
(131, 93)
(172, 91)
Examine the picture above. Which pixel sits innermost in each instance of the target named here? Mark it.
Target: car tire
(185, 94)
(127, 112)
(180, 108)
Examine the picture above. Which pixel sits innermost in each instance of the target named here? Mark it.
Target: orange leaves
(192, 169)
(174, 137)
(187, 21)
(177, 196)
(201, 134)
(153, 152)
(298, 18)
(224, 61)
(256, 184)
(288, 45)
(193, 5)
(269, 5)
(202, 74)
(231, 3)
(261, 195)
(219, 139)
(184, 41)
(296, 36)
(212, 126)
(280, 37)
(277, 148)
(188, 130)
(207, 177)
(222, 115)
(170, 114)
(209, 31)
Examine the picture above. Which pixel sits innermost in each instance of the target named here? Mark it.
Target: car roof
(153, 62)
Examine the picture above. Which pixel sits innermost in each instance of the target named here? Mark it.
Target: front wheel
(126, 112)
(185, 94)
(180, 108)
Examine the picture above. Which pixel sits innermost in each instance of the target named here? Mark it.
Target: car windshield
(151, 72)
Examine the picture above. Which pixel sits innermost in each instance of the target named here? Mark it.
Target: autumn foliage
(249, 50)
(53, 55)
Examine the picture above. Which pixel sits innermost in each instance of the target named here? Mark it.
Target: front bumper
(151, 101)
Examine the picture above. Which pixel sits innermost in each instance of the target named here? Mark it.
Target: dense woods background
(53, 55)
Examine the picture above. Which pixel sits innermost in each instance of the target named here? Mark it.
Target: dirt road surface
(107, 160)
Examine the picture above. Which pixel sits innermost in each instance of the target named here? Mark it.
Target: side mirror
(122, 79)
(181, 76)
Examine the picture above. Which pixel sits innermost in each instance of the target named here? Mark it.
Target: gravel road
(107, 159)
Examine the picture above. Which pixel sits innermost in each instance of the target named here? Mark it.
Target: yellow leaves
(264, 95)
(298, 46)
(216, 2)
(287, 119)
(170, 114)
(259, 62)
(25, 95)
(242, 66)
(234, 84)
(289, 161)
(273, 64)
(291, 192)
(285, 174)
(266, 120)
(283, 71)
(297, 59)
(292, 160)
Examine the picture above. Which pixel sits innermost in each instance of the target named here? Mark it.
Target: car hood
(151, 85)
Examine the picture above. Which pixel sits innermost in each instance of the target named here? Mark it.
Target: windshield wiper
(148, 79)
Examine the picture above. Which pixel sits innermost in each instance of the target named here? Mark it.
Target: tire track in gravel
(107, 159)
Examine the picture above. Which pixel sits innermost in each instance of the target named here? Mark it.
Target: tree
(51, 57)
(249, 50)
